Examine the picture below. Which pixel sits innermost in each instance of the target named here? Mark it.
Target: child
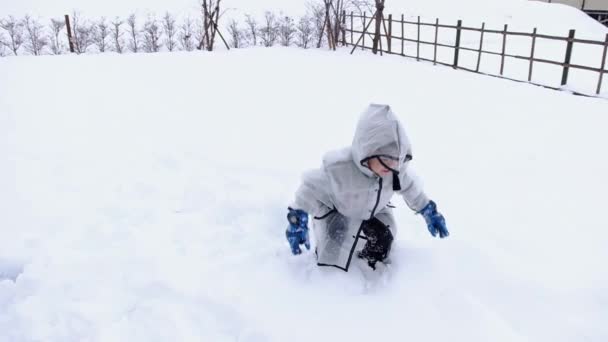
(350, 195)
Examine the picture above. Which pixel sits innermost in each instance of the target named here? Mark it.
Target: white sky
(110, 8)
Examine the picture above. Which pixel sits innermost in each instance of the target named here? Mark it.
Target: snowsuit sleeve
(411, 191)
(313, 194)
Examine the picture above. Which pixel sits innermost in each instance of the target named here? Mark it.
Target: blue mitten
(297, 230)
(434, 220)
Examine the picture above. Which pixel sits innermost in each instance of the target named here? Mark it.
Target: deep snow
(144, 198)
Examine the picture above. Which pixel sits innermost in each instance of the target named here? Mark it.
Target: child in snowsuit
(349, 195)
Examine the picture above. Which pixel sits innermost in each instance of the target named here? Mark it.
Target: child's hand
(434, 220)
(297, 230)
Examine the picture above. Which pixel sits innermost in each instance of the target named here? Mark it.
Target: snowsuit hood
(380, 133)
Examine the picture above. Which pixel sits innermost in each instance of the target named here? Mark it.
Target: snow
(520, 15)
(144, 199)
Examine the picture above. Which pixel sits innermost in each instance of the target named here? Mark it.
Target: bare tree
(252, 29)
(82, 34)
(287, 30)
(305, 31)
(56, 27)
(316, 13)
(235, 33)
(117, 35)
(328, 27)
(210, 23)
(152, 34)
(338, 9)
(361, 6)
(269, 32)
(186, 31)
(328, 17)
(3, 45)
(199, 34)
(14, 30)
(134, 44)
(100, 34)
(170, 31)
(36, 40)
(378, 21)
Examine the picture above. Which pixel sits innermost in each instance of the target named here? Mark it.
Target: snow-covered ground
(143, 198)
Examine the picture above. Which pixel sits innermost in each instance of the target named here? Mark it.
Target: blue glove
(297, 231)
(434, 220)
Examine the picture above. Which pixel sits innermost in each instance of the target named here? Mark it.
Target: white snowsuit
(345, 190)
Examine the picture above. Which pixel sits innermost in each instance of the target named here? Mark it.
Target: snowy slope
(144, 199)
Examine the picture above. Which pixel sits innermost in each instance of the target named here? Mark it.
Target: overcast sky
(111, 8)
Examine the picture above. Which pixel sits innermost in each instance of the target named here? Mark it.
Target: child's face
(376, 166)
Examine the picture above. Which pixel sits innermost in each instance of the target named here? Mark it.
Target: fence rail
(389, 36)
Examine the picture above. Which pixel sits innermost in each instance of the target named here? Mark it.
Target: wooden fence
(350, 34)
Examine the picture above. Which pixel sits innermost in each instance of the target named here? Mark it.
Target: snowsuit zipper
(359, 236)
(377, 199)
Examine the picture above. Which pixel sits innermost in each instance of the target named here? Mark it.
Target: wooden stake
(402, 35)
(504, 47)
(418, 41)
(343, 28)
(352, 27)
(457, 45)
(390, 33)
(365, 29)
(69, 28)
(568, 57)
(483, 26)
(378, 23)
(532, 55)
(435, 45)
(603, 65)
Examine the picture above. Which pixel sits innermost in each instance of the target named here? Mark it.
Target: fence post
(532, 55)
(390, 33)
(364, 23)
(599, 83)
(435, 45)
(457, 45)
(504, 49)
(568, 56)
(352, 28)
(343, 29)
(418, 41)
(402, 35)
(483, 26)
(69, 28)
